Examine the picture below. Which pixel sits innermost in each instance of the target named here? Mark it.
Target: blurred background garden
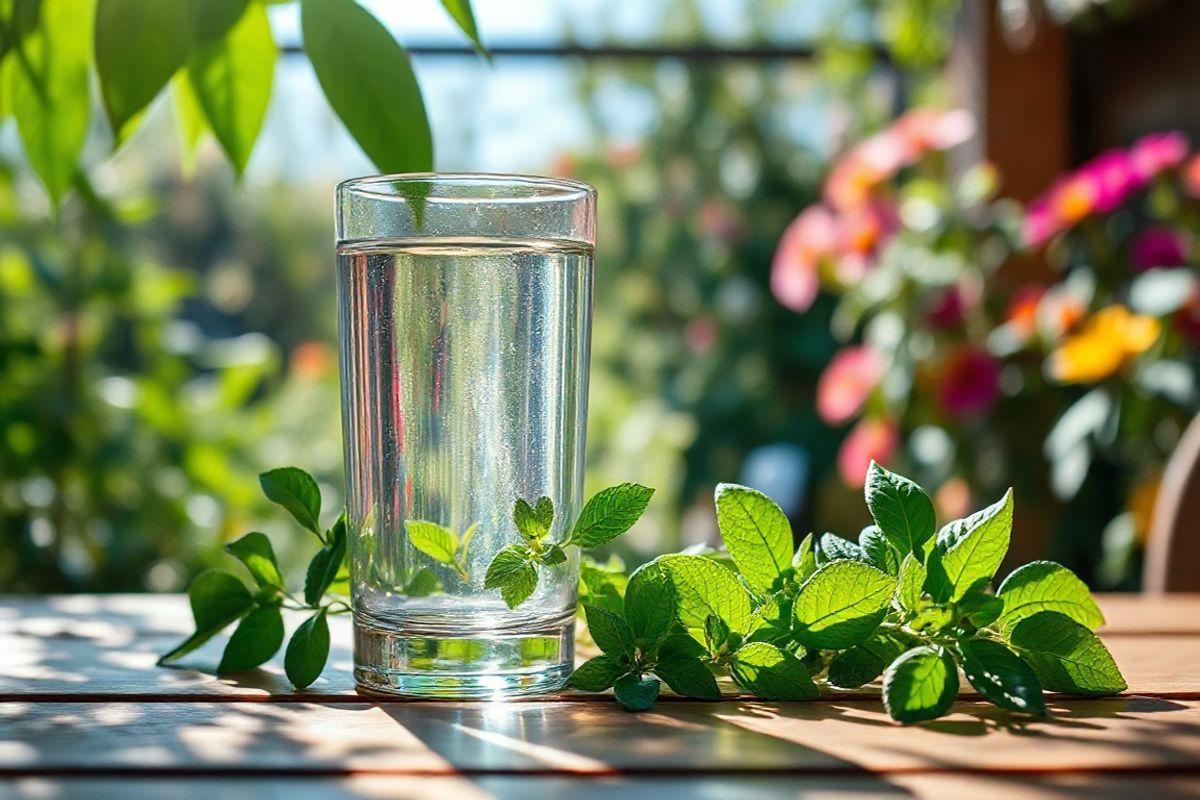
(956, 237)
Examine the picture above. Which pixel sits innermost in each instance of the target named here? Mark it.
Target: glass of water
(464, 323)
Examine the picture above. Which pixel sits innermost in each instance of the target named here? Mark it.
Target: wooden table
(85, 713)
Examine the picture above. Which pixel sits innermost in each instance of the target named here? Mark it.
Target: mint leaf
(912, 583)
(636, 692)
(842, 604)
(1046, 586)
(423, 583)
(603, 586)
(649, 603)
(679, 646)
(610, 633)
(831, 547)
(256, 638)
(704, 587)
(980, 608)
(307, 651)
(931, 618)
(552, 556)
(716, 633)
(464, 544)
(1066, 656)
(771, 673)
(755, 532)
(323, 568)
(533, 522)
(920, 685)
(433, 540)
(804, 560)
(863, 663)
(772, 621)
(296, 491)
(1001, 676)
(513, 573)
(901, 509)
(877, 551)
(595, 675)
(688, 677)
(609, 513)
(255, 552)
(217, 599)
(969, 551)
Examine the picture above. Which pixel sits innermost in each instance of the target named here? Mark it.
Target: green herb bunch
(907, 602)
(219, 598)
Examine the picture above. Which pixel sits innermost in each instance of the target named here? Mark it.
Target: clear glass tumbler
(464, 324)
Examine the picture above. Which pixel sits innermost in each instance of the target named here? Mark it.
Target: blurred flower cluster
(989, 343)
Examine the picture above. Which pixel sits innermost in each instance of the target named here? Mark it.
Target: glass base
(488, 664)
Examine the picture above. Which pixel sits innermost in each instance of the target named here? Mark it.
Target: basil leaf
(256, 638)
(217, 599)
(1066, 656)
(1001, 676)
(296, 491)
(704, 587)
(901, 509)
(688, 677)
(969, 551)
(610, 633)
(595, 675)
(610, 513)
(255, 552)
(649, 603)
(920, 685)
(842, 604)
(755, 532)
(771, 673)
(636, 692)
(1046, 586)
(307, 651)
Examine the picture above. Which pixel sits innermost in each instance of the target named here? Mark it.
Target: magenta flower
(1156, 152)
(1114, 176)
(1158, 247)
(949, 307)
(970, 383)
(869, 440)
(1041, 224)
(807, 241)
(847, 382)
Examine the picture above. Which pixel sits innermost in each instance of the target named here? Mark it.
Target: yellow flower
(1108, 340)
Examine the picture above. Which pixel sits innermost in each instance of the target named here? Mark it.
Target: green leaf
(190, 122)
(877, 551)
(901, 509)
(688, 677)
(217, 599)
(296, 491)
(533, 522)
(636, 692)
(804, 560)
(650, 603)
(1046, 586)
(862, 663)
(553, 555)
(256, 638)
(595, 675)
(912, 583)
(772, 621)
(50, 92)
(1001, 676)
(920, 685)
(368, 80)
(323, 569)
(755, 532)
(423, 583)
(460, 11)
(255, 551)
(464, 544)
(432, 539)
(771, 673)
(716, 633)
(980, 608)
(513, 573)
(932, 618)
(610, 513)
(842, 604)
(1066, 656)
(831, 547)
(969, 551)
(232, 80)
(704, 587)
(680, 646)
(602, 586)
(610, 633)
(307, 651)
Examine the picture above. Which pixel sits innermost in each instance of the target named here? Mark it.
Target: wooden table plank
(1140, 614)
(1118, 736)
(105, 647)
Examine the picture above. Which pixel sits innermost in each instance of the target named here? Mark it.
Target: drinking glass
(464, 324)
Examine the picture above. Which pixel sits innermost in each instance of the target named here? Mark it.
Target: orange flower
(312, 360)
(1108, 341)
(1023, 310)
(1075, 199)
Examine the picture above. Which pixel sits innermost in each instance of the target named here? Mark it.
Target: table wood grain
(85, 713)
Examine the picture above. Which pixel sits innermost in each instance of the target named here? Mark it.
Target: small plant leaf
(533, 522)
(704, 587)
(912, 583)
(981, 608)
(609, 514)
(610, 633)
(755, 532)
(831, 547)
(325, 564)
(553, 555)
(804, 560)
(901, 509)
(920, 685)
(970, 550)
(842, 604)
(256, 638)
(1066, 656)
(636, 692)
(255, 552)
(688, 677)
(433, 540)
(513, 573)
(595, 675)
(602, 586)
(217, 599)
(464, 543)
(771, 673)
(1046, 586)
(307, 651)
(862, 663)
(877, 551)
(649, 603)
(1001, 676)
(460, 11)
(423, 583)
(297, 492)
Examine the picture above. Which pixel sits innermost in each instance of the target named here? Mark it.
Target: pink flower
(860, 233)
(1156, 152)
(1114, 177)
(932, 129)
(847, 382)
(970, 383)
(869, 440)
(949, 307)
(1040, 223)
(1158, 247)
(807, 241)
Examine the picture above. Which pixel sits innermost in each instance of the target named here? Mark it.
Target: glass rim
(513, 187)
